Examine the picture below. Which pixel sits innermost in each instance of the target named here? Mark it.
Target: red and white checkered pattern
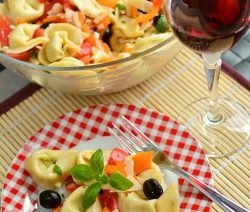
(84, 124)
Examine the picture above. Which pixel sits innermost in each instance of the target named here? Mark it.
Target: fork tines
(130, 137)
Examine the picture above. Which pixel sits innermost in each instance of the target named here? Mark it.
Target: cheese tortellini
(21, 39)
(25, 10)
(90, 7)
(41, 165)
(64, 42)
(74, 202)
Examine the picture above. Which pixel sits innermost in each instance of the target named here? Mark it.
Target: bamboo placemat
(168, 91)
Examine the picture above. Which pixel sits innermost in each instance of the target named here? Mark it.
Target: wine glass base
(221, 138)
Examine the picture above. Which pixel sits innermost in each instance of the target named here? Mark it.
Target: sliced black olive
(152, 189)
(50, 199)
(45, 25)
(107, 34)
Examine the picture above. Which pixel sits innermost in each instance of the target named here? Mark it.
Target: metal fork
(133, 140)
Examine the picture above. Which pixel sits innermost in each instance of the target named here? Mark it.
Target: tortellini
(148, 42)
(90, 7)
(64, 41)
(169, 200)
(21, 39)
(140, 4)
(74, 202)
(85, 155)
(25, 10)
(41, 165)
(133, 202)
(128, 27)
(67, 62)
(124, 28)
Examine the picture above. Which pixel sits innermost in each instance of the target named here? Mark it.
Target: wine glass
(209, 28)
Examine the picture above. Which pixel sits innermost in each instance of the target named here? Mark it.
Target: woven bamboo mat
(168, 91)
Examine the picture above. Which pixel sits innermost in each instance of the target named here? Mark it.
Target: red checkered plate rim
(85, 124)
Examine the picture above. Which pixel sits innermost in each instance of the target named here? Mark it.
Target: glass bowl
(98, 78)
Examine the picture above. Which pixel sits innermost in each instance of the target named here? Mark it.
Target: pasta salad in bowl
(85, 46)
(100, 180)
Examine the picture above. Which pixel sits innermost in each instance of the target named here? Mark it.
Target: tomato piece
(117, 154)
(86, 49)
(109, 200)
(157, 2)
(24, 56)
(70, 185)
(38, 33)
(5, 30)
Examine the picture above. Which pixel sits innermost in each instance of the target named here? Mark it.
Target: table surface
(180, 82)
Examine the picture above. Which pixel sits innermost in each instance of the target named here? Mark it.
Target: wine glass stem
(212, 70)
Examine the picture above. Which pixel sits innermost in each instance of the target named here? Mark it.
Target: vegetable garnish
(161, 23)
(121, 6)
(94, 171)
(58, 170)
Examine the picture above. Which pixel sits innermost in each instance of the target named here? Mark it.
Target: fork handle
(214, 195)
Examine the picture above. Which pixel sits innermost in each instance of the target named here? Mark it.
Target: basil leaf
(97, 161)
(90, 195)
(103, 179)
(58, 170)
(119, 182)
(83, 172)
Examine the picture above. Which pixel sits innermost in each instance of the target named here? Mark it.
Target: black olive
(152, 189)
(155, 19)
(45, 25)
(107, 34)
(49, 199)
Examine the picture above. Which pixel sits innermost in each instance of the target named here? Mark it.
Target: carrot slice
(118, 167)
(133, 11)
(54, 19)
(147, 17)
(105, 47)
(142, 161)
(109, 3)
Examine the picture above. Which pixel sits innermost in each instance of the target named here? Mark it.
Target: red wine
(208, 25)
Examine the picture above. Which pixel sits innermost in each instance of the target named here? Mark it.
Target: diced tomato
(85, 59)
(5, 30)
(109, 200)
(24, 56)
(70, 185)
(157, 2)
(86, 49)
(117, 154)
(38, 33)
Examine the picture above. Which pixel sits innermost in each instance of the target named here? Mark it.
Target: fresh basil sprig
(90, 194)
(97, 161)
(119, 182)
(94, 171)
(83, 172)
